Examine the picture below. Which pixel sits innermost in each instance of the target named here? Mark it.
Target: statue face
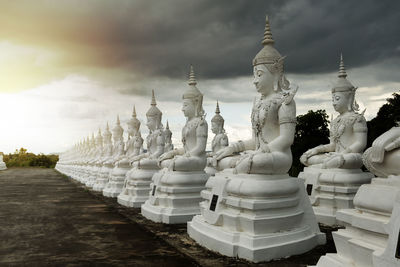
(151, 123)
(188, 108)
(215, 127)
(263, 79)
(340, 101)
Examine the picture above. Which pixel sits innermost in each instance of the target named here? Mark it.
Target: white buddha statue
(134, 144)
(90, 154)
(175, 191)
(105, 161)
(254, 209)
(333, 173)
(117, 176)
(137, 183)
(2, 164)
(371, 235)
(95, 162)
(168, 139)
(219, 141)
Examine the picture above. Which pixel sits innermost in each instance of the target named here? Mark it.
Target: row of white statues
(238, 199)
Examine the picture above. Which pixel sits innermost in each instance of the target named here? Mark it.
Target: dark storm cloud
(219, 37)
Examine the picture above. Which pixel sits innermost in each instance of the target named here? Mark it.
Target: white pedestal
(117, 179)
(136, 188)
(103, 177)
(256, 217)
(3, 166)
(84, 174)
(332, 189)
(371, 236)
(93, 171)
(174, 196)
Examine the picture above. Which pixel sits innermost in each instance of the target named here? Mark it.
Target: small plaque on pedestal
(213, 202)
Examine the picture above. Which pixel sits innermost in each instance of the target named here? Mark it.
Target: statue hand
(168, 155)
(393, 145)
(225, 152)
(311, 152)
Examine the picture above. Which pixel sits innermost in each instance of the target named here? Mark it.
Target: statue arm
(386, 142)
(284, 140)
(201, 140)
(224, 140)
(359, 145)
(287, 128)
(160, 147)
(170, 154)
(360, 133)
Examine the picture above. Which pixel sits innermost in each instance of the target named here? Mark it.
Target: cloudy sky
(69, 66)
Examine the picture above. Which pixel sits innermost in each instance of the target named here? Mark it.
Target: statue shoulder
(287, 111)
(360, 123)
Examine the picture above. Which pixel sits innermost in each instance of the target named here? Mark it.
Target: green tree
(388, 116)
(21, 158)
(311, 130)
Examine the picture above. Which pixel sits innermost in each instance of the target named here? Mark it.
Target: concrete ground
(47, 219)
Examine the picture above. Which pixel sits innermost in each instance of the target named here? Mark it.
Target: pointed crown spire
(268, 54)
(217, 117)
(134, 122)
(217, 111)
(118, 130)
(153, 99)
(167, 131)
(153, 110)
(342, 70)
(134, 111)
(107, 133)
(267, 33)
(342, 84)
(192, 77)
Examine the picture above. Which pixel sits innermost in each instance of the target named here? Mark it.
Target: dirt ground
(48, 219)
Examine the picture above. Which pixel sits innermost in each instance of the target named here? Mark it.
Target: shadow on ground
(49, 219)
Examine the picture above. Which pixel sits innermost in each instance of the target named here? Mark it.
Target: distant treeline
(21, 158)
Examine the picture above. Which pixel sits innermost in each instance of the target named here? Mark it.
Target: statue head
(118, 131)
(154, 115)
(268, 66)
(217, 122)
(167, 133)
(192, 98)
(343, 92)
(133, 124)
(107, 135)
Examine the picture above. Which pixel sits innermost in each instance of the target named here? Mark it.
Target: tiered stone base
(372, 233)
(117, 180)
(174, 196)
(136, 188)
(85, 173)
(102, 178)
(93, 172)
(256, 217)
(332, 189)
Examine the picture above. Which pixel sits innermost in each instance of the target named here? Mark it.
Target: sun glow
(24, 67)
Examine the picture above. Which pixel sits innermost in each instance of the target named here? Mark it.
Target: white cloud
(52, 117)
